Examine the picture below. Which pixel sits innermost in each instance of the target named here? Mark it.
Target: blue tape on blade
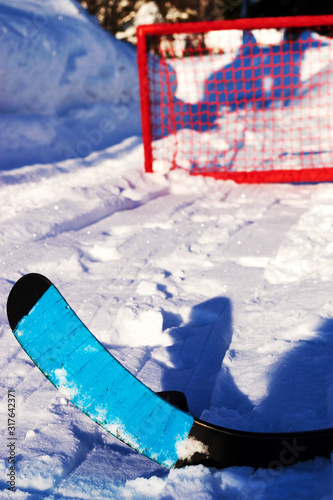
(94, 381)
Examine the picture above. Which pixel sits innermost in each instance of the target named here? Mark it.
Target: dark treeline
(118, 16)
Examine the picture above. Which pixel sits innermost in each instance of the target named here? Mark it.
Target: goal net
(249, 100)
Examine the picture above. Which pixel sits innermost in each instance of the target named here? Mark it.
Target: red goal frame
(252, 176)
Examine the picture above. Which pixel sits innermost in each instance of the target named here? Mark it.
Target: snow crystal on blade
(186, 449)
(118, 429)
(67, 389)
(162, 456)
(99, 414)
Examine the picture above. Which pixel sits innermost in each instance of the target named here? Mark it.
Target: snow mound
(67, 87)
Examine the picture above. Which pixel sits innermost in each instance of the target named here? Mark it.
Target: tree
(111, 14)
(118, 16)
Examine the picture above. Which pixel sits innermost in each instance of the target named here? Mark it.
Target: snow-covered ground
(219, 290)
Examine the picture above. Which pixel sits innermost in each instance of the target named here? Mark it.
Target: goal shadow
(299, 394)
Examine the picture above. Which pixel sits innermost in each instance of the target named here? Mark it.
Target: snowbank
(67, 88)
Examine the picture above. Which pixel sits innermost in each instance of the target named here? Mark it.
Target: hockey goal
(249, 100)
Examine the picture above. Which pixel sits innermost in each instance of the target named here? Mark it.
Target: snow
(219, 290)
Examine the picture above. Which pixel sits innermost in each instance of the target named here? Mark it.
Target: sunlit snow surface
(219, 290)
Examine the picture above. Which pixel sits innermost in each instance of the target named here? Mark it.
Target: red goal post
(249, 100)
